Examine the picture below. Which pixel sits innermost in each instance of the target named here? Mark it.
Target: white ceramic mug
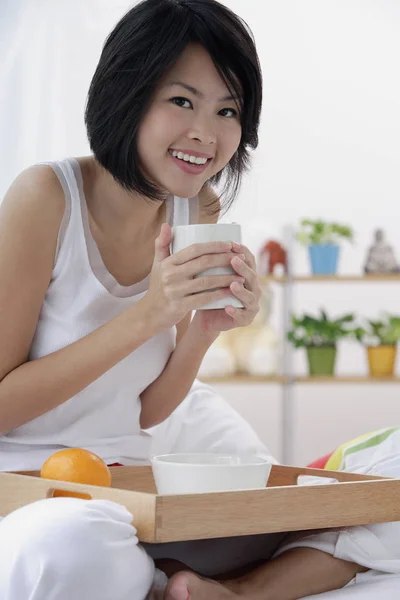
(187, 235)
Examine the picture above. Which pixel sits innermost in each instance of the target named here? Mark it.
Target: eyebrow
(199, 94)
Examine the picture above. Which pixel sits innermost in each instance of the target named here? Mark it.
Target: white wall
(324, 415)
(329, 147)
(329, 141)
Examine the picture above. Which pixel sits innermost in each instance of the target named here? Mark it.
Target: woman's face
(192, 116)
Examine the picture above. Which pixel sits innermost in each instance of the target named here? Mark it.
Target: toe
(178, 587)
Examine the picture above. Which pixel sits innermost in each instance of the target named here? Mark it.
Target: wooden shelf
(244, 378)
(333, 279)
(346, 379)
(280, 379)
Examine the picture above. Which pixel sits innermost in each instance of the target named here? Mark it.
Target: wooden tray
(281, 506)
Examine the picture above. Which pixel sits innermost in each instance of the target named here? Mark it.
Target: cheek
(237, 138)
(155, 132)
(230, 141)
(149, 132)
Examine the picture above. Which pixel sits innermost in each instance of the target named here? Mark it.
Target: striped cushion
(357, 451)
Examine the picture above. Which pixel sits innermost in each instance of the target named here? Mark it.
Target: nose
(203, 131)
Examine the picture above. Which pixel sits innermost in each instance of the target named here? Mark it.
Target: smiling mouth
(186, 163)
(193, 159)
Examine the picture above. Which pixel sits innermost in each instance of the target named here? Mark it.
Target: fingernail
(238, 259)
(242, 256)
(237, 247)
(240, 280)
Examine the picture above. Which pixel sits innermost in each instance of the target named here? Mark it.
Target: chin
(184, 190)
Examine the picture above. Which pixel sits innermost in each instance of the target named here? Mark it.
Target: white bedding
(206, 422)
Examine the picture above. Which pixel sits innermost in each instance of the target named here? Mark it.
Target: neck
(111, 207)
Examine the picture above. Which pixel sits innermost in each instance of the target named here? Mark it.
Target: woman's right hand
(173, 289)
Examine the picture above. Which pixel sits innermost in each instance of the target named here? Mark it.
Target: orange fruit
(78, 466)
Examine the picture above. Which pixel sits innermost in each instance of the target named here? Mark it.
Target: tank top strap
(186, 211)
(64, 169)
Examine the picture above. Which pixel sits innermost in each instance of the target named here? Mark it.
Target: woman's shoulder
(38, 174)
(36, 181)
(36, 194)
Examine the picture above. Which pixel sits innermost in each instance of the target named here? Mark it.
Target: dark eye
(224, 112)
(179, 101)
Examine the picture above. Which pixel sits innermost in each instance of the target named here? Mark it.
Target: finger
(196, 250)
(242, 317)
(236, 314)
(245, 271)
(249, 257)
(196, 301)
(208, 261)
(236, 247)
(246, 297)
(208, 282)
(162, 243)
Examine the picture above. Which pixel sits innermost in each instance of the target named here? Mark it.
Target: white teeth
(189, 158)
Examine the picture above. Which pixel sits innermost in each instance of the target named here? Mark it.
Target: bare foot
(170, 566)
(188, 586)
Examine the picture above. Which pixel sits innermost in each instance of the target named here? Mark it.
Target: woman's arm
(30, 218)
(165, 394)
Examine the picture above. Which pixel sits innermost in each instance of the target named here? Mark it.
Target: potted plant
(319, 336)
(322, 239)
(380, 338)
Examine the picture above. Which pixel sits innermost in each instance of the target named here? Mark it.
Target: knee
(84, 546)
(70, 525)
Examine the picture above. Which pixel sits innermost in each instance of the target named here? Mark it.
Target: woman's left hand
(249, 294)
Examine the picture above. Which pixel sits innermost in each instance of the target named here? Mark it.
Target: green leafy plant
(310, 331)
(385, 332)
(322, 232)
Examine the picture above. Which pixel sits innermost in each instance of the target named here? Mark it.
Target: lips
(188, 167)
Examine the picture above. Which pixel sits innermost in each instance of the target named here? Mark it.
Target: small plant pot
(321, 360)
(381, 360)
(324, 258)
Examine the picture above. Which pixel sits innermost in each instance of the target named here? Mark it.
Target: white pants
(70, 549)
(384, 588)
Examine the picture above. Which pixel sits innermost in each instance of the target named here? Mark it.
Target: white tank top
(82, 296)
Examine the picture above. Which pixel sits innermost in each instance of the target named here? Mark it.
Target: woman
(97, 338)
(98, 344)
(90, 294)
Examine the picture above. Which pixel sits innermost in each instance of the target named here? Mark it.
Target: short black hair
(142, 47)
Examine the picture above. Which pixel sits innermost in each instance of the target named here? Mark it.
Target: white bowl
(203, 473)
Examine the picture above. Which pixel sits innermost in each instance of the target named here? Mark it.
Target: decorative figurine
(380, 257)
(271, 255)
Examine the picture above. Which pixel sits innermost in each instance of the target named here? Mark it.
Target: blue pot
(323, 258)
